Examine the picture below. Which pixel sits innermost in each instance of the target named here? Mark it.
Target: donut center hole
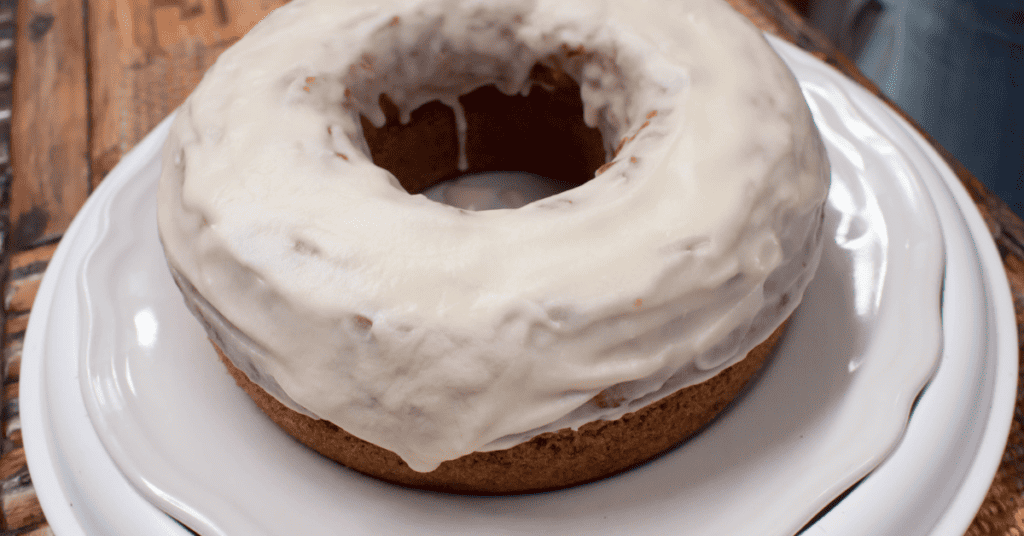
(516, 149)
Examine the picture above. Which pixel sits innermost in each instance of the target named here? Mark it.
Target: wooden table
(94, 77)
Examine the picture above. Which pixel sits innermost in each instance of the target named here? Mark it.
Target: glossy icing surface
(435, 332)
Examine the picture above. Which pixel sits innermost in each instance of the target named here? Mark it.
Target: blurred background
(955, 66)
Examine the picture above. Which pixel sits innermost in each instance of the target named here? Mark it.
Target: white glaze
(434, 332)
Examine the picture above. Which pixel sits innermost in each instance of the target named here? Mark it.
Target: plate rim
(51, 489)
(984, 464)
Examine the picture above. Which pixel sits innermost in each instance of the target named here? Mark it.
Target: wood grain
(146, 56)
(49, 130)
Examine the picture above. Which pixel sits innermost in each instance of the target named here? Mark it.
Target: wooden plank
(8, 27)
(19, 502)
(31, 262)
(12, 417)
(15, 323)
(49, 153)
(147, 56)
(49, 160)
(11, 463)
(43, 530)
(20, 293)
(12, 353)
(25, 273)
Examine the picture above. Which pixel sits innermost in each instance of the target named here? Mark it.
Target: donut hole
(542, 132)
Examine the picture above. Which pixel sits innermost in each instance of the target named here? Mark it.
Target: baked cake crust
(549, 461)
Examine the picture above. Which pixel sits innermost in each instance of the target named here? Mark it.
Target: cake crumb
(362, 323)
(621, 144)
(605, 400)
(604, 168)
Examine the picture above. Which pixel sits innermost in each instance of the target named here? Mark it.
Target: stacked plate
(885, 411)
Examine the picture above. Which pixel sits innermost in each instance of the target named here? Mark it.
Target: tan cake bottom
(549, 461)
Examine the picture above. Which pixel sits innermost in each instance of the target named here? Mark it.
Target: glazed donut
(291, 213)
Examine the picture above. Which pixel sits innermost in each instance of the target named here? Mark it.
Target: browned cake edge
(549, 461)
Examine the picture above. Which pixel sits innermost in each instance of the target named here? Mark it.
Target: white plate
(829, 409)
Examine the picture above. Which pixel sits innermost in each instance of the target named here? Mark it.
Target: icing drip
(461, 62)
(460, 126)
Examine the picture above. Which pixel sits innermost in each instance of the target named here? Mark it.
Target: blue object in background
(955, 66)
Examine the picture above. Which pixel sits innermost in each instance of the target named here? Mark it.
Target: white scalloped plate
(166, 429)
